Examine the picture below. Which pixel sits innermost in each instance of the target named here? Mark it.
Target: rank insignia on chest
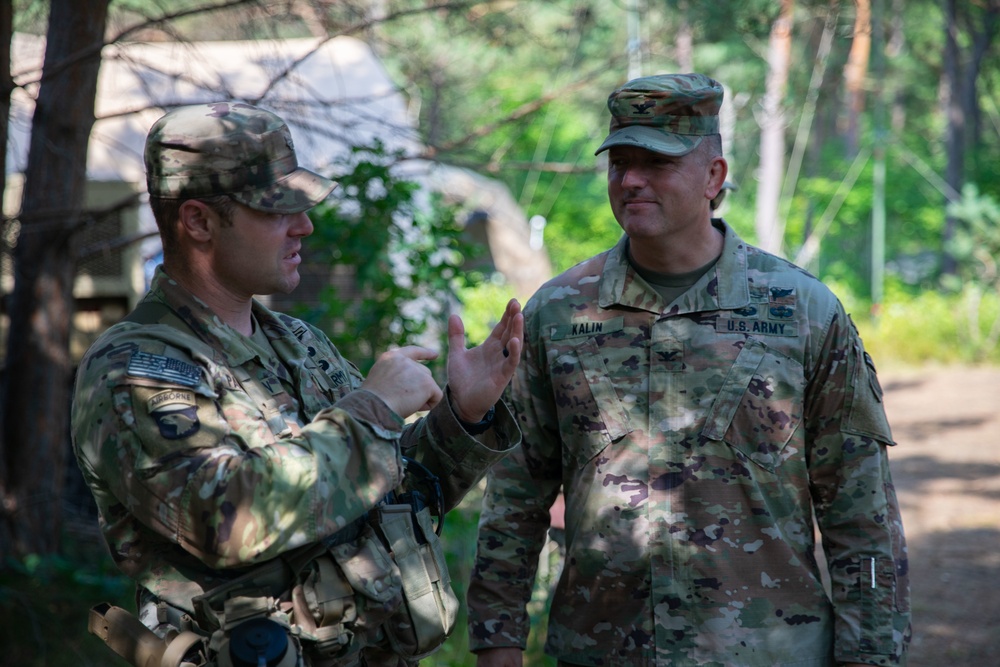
(272, 384)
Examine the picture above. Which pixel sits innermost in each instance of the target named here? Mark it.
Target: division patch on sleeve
(175, 413)
(159, 367)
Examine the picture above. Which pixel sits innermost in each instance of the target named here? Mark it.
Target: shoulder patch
(175, 413)
(159, 367)
(170, 399)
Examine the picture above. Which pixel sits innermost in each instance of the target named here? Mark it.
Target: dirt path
(946, 468)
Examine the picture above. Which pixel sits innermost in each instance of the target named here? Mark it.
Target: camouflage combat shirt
(694, 441)
(207, 454)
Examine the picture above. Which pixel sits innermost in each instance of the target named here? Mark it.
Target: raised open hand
(478, 376)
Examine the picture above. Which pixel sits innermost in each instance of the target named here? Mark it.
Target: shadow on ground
(956, 609)
(946, 469)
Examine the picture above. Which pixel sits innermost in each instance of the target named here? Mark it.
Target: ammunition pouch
(426, 618)
(382, 580)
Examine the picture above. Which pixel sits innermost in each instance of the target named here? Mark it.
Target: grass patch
(930, 327)
(44, 606)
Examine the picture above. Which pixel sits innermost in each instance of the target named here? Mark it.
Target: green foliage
(581, 226)
(44, 604)
(476, 69)
(919, 322)
(471, 69)
(750, 17)
(930, 327)
(482, 304)
(845, 248)
(402, 261)
(975, 246)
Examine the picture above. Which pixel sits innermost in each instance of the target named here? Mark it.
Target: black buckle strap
(348, 533)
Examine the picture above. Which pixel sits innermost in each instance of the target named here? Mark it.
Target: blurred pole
(634, 47)
(878, 153)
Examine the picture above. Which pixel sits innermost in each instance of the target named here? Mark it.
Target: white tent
(333, 93)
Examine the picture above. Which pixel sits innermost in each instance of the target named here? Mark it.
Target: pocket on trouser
(427, 616)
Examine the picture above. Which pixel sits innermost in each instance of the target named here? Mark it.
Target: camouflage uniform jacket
(207, 454)
(694, 441)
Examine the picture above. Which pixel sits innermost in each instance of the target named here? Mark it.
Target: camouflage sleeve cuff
(371, 410)
(485, 447)
(458, 458)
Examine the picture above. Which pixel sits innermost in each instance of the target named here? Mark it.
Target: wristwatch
(476, 428)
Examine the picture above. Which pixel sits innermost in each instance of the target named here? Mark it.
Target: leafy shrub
(401, 259)
(927, 328)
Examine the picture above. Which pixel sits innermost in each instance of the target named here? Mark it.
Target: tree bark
(981, 41)
(962, 103)
(954, 140)
(6, 88)
(684, 40)
(769, 226)
(36, 385)
(856, 72)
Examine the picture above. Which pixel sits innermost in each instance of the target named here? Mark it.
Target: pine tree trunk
(35, 395)
(856, 72)
(769, 226)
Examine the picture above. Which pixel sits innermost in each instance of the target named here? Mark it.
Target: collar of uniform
(284, 340)
(622, 286)
(731, 270)
(202, 319)
(727, 283)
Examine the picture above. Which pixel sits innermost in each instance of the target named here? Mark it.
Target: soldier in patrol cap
(698, 401)
(249, 478)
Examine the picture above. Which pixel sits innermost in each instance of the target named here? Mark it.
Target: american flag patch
(159, 367)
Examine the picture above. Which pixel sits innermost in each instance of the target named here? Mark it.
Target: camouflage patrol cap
(230, 148)
(666, 113)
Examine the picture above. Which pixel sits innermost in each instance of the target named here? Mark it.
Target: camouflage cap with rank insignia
(233, 149)
(667, 113)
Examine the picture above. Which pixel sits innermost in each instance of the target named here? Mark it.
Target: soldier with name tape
(714, 422)
(273, 505)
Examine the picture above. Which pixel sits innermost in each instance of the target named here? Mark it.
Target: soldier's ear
(195, 220)
(718, 169)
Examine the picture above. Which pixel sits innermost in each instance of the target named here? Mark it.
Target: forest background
(863, 139)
